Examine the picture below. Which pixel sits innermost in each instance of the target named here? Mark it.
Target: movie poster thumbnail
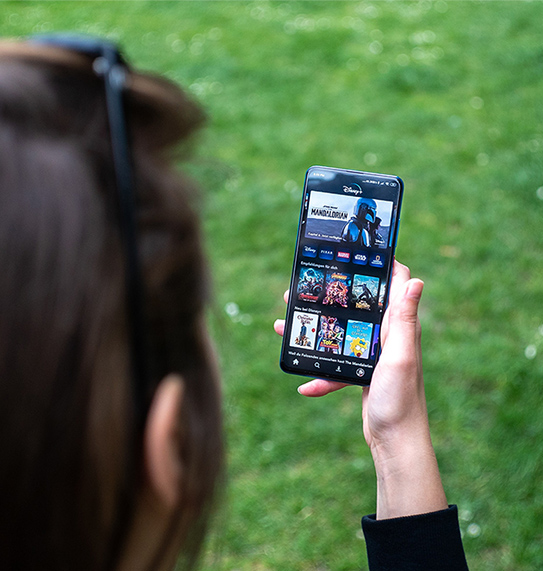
(310, 284)
(362, 222)
(331, 335)
(365, 293)
(304, 330)
(336, 293)
(382, 293)
(358, 339)
(375, 342)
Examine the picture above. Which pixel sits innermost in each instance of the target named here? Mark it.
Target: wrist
(396, 449)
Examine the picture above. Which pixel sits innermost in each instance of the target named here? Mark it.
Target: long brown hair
(69, 438)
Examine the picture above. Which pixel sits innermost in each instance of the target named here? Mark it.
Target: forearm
(408, 480)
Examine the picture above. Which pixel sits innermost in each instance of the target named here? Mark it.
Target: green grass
(448, 96)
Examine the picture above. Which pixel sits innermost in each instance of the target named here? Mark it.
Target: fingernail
(414, 289)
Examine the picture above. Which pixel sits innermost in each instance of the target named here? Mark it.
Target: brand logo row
(344, 255)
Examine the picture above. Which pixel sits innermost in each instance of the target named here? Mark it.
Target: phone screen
(342, 270)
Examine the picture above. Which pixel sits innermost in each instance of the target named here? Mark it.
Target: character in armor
(366, 300)
(363, 225)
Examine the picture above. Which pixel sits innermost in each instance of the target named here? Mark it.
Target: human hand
(395, 404)
(394, 413)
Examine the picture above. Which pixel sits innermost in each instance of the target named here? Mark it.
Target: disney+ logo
(353, 189)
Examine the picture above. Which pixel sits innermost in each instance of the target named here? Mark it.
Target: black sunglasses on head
(109, 64)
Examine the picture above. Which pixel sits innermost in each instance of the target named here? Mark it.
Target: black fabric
(426, 542)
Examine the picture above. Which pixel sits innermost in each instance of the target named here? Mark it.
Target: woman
(102, 467)
(109, 401)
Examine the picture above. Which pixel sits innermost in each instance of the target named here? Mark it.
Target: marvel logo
(343, 255)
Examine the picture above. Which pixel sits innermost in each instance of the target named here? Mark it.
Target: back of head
(70, 439)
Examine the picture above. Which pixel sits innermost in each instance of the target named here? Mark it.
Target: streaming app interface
(341, 274)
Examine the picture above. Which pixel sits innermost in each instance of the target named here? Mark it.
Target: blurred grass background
(447, 95)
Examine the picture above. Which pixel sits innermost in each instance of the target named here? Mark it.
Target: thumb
(401, 344)
(412, 295)
(404, 307)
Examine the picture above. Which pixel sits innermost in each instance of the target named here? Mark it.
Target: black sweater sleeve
(426, 542)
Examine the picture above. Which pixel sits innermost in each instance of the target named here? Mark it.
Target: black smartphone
(341, 274)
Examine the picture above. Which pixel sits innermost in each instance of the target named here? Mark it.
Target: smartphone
(341, 274)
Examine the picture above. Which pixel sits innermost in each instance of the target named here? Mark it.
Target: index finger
(320, 387)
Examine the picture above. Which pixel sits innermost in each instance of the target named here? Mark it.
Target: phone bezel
(296, 267)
